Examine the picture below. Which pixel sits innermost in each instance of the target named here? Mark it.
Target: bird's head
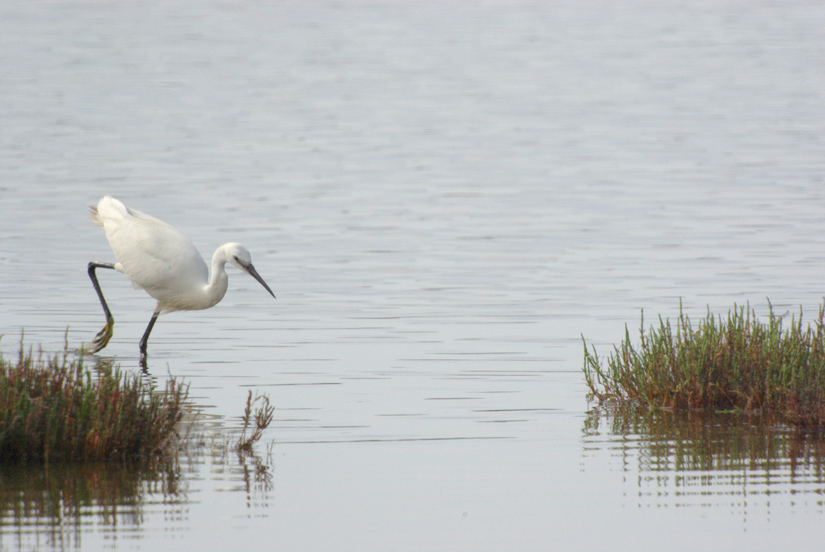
(239, 256)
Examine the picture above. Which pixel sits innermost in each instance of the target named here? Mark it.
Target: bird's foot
(101, 339)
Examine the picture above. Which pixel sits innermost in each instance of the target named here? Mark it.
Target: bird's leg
(103, 336)
(145, 339)
(92, 266)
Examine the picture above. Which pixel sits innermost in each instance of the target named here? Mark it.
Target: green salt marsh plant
(738, 362)
(54, 409)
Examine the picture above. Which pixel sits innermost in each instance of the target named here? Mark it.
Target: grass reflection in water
(55, 506)
(699, 458)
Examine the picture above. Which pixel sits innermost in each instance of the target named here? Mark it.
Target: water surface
(444, 198)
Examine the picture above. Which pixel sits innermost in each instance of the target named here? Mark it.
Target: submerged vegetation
(736, 363)
(54, 409)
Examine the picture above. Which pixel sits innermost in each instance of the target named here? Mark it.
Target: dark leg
(92, 266)
(103, 336)
(145, 339)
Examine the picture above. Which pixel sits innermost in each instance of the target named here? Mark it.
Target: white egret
(162, 261)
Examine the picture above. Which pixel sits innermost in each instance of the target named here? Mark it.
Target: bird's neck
(218, 280)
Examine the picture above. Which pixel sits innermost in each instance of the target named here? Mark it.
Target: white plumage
(159, 259)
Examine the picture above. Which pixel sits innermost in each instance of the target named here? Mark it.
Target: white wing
(154, 255)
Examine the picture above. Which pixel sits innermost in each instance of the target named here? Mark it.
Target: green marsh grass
(55, 409)
(733, 363)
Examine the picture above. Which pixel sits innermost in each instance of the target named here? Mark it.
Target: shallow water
(444, 198)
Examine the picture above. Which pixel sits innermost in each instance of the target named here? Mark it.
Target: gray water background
(444, 197)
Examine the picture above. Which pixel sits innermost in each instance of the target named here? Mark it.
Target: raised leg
(103, 336)
(92, 266)
(145, 339)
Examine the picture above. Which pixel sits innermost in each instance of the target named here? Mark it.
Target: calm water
(444, 198)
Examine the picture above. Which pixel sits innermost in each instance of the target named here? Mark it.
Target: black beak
(254, 273)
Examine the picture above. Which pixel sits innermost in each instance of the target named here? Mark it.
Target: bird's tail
(93, 215)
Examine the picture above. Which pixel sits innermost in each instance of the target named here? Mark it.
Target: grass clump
(53, 409)
(736, 363)
(260, 417)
